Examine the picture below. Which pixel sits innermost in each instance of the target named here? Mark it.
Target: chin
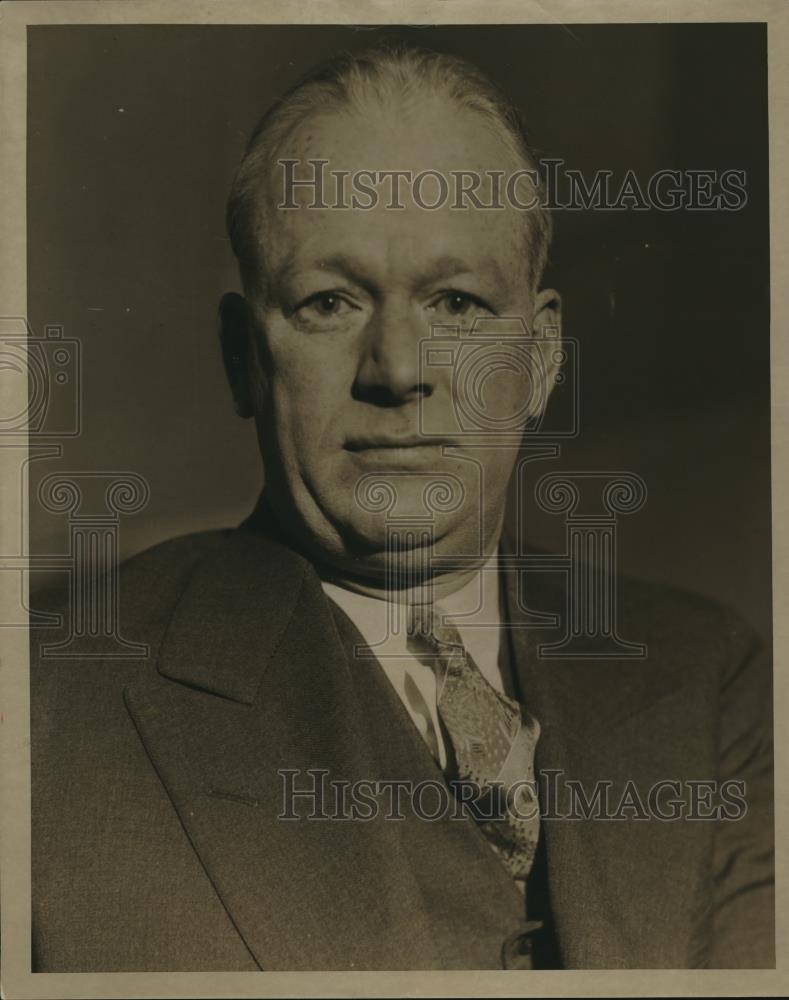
(378, 545)
(378, 502)
(374, 525)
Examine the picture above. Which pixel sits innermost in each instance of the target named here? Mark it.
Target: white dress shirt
(473, 610)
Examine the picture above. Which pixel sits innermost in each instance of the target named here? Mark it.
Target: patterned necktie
(493, 739)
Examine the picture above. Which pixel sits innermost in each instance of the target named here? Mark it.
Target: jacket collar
(287, 698)
(242, 597)
(255, 628)
(607, 725)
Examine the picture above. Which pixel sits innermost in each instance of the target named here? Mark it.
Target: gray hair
(384, 74)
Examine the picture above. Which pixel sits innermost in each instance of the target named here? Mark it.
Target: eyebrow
(449, 265)
(357, 271)
(345, 264)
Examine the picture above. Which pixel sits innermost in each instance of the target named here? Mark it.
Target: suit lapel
(266, 696)
(265, 699)
(605, 722)
(254, 690)
(467, 900)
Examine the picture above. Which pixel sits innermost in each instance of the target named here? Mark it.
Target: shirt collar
(473, 609)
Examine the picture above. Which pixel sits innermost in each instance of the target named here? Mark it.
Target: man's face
(340, 320)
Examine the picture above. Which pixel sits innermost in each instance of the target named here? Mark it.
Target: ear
(547, 329)
(235, 332)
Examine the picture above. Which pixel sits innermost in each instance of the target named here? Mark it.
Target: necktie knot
(426, 623)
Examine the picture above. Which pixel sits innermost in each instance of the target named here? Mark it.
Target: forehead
(433, 136)
(427, 133)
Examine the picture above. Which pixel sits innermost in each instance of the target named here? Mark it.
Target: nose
(389, 372)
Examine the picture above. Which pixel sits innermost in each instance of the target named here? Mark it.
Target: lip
(395, 443)
(387, 453)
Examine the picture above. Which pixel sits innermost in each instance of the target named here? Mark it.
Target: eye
(460, 303)
(324, 310)
(323, 303)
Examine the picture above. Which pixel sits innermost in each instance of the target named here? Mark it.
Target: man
(232, 801)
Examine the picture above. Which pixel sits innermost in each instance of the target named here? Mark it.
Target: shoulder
(697, 642)
(685, 635)
(153, 580)
(671, 617)
(148, 583)
(121, 622)
(86, 647)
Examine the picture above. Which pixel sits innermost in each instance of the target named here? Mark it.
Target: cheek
(307, 388)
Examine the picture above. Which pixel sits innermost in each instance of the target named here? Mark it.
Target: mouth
(401, 451)
(388, 442)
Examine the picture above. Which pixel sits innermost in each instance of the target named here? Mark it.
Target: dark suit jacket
(157, 842)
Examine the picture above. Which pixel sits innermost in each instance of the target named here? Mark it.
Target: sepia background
(134, 133)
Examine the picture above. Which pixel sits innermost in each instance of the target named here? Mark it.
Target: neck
(424, 590)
